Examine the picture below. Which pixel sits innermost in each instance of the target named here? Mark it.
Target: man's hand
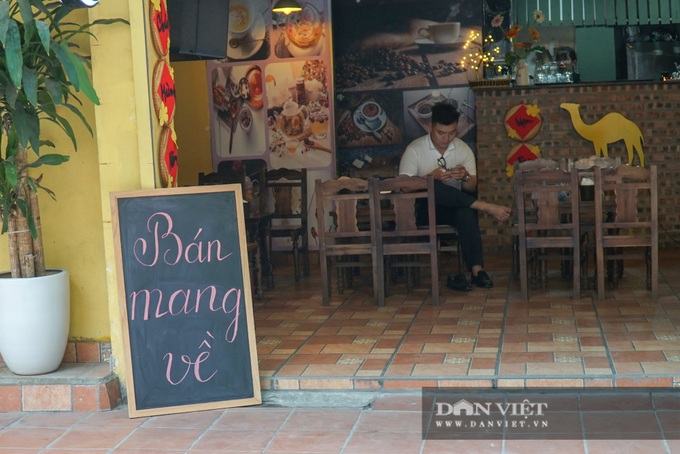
(442, 174)
(458, 173)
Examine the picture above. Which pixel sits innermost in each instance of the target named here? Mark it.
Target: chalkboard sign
(185, 299)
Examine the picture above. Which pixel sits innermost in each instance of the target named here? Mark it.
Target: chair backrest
(394, 200)
(397, 198)
(340, 198)
(286, 185)
(544, 191)
(633, 191)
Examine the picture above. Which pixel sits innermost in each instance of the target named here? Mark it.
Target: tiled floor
(485, 338)
(392, 424)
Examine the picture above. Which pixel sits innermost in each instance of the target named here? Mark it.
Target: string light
(476, 58)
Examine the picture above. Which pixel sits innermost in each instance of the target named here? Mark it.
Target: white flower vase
(522, 75)
(34, 322)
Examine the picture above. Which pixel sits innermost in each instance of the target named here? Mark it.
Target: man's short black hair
(444, 113)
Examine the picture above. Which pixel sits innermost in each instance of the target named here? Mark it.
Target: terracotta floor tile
(324, 358)
(26, 438)
(393, 443)
(600, 423)
(626, 446)
(397, 403)
(439, 370)
(233, 441)
(661, 367)
(90, 437)
(543, 447)
(389, 421)
(330, 370)
(175, 439)
(251, 419)
(559, 369)
(449, 348)
(299, 441)
(463, 446)
(400, 370)
(322, 419)
(41, 419)
(291, 371)
(115, 418)
(526, 357)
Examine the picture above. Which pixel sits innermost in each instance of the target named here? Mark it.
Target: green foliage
(40, 70)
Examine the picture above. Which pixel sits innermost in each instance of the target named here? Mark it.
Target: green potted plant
(42, 74)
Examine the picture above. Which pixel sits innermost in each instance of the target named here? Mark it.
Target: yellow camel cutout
(608, 129)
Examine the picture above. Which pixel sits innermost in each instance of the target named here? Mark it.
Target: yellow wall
(192, 121)
(127, 129)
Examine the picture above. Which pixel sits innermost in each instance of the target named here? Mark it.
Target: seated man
(452, 164)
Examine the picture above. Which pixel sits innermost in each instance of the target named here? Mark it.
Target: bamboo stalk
(22, 232)
(25, 246)
(14, 262)
(38, 251)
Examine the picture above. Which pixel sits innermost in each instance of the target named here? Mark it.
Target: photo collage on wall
(390, 72)
(270, 98)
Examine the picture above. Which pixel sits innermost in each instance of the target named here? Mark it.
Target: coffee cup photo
(370, 112)
(241, 18)
(444, 33)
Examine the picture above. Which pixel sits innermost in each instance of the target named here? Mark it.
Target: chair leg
(296, 257)
(305, 254)
(648, 264)
(256, 267)
(389, 275)
(325, 278)
(340, 272)
(515, 257)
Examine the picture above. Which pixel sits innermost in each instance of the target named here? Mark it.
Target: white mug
(444, 33)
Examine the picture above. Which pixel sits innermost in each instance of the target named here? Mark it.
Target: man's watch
(466, 178)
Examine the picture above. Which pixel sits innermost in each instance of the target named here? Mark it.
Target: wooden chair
(526, 165)
(634, 224)
(344, 244)
(403, 245)
(287, 223)
(548, 229)
(253, 243)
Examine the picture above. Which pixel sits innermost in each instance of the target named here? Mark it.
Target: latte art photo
(239, 17)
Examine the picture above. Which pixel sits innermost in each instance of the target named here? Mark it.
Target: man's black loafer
(458, 282)
(482, 280)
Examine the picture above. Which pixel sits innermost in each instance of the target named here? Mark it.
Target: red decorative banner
(164, 92)
(521, 152)
(169, 157)
(523, 121)
(160, 26)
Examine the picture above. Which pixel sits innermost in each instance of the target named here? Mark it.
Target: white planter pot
(34, 322)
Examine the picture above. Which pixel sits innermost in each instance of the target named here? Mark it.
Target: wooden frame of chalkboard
(185, 299)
